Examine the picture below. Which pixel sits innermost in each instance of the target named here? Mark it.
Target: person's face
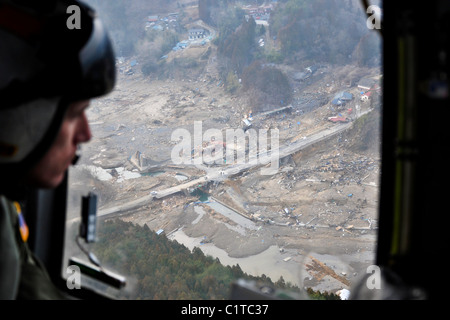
(50, 170)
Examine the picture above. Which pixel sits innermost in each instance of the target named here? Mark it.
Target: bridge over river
(221, 173)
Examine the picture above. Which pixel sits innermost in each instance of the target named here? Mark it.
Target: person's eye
(76, 111)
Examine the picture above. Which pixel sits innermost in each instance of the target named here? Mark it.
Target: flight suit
(22, 275)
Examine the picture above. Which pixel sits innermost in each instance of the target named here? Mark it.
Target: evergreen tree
(165, 269)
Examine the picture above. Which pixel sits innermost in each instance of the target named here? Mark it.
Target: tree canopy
(323, 30)
(166, 270)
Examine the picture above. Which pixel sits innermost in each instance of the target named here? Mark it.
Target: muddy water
(273, 262)
(270, 262)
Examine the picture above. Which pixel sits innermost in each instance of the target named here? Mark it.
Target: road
(222, 173)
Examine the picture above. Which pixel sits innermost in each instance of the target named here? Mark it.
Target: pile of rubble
(352, 168)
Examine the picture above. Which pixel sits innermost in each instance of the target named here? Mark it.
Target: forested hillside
(299, 33)
(125, 20)
(324, 30)
(165, 269)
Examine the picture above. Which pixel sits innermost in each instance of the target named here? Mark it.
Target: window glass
(242, 140)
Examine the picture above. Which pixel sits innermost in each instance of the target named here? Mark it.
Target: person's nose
(84, 133)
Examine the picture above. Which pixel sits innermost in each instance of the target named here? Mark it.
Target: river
(269, 262)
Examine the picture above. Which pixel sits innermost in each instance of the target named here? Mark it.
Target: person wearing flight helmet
(48, 74)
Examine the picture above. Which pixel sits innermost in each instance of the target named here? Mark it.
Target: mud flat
(270, 262)
(334, 273)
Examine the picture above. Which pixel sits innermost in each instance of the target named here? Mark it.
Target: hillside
(365, 135)
(165, 270)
